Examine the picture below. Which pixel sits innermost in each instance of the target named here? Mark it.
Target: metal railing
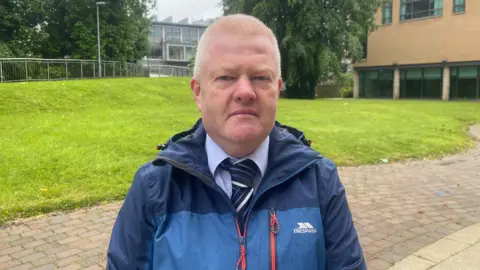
(34, 69)
(166, 70)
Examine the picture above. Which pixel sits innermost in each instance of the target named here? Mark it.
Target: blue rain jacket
(175, 216)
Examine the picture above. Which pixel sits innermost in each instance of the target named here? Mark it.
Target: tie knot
(242, 172)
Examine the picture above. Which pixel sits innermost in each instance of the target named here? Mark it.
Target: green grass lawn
(76, 143)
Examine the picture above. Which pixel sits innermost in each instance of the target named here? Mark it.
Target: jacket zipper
(274, 229)
(242, 261)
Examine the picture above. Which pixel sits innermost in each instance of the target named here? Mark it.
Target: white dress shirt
(216, 155)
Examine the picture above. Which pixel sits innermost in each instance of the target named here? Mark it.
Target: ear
(195, 86)
(279, 87)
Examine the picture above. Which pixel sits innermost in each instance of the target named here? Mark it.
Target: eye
(224, 78)
(262, 78)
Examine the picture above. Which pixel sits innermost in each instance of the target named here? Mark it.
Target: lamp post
(98, 38)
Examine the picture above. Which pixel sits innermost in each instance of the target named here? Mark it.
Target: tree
(71, 26)
(68, 28)
(18, 21)
(313, 35)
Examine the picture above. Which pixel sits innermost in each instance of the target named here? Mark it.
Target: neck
(238, 150)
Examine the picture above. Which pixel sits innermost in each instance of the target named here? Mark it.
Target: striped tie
(243, 173)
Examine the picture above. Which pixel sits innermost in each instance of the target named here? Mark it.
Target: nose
(244, 91)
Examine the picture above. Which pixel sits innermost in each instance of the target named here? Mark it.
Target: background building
(422, 49)
(174, 43)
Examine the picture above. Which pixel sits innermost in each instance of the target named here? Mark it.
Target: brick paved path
(398, 208)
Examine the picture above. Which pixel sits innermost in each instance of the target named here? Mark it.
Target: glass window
(421, 83)
(157, 50)
(176, 53)
(376, 84)
(414, 9)
(387, 13)
(464, 82)
(157, 33)
(189, 35)
(173, 34)
(189, 53)
(458, 6)
(200, 34)
(432, 83)
(412, 83)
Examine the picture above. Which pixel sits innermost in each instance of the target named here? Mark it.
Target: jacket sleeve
(343, 250)
(129, 246)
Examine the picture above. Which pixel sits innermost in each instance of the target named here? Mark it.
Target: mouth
(245, 112)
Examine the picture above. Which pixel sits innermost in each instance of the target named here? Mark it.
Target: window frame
(390, 6)
(184, 52)
(455, 6)
(410, 16)
(173, 30)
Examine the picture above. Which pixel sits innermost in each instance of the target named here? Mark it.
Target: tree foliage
(68, 28)
(313, 35)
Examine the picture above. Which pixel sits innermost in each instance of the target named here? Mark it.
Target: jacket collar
(288, 151)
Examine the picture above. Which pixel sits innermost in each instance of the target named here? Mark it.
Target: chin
(245, 133)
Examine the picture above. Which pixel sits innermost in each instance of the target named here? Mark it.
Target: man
(238, 190)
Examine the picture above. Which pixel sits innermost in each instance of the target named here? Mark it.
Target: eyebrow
(230, 68)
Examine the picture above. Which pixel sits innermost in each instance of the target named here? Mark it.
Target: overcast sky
(193, 9)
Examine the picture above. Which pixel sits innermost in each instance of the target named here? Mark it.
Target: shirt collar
(216, 155)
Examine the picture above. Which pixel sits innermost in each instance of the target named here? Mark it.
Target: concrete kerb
(452, 249)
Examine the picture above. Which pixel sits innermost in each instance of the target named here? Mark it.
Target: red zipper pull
(274, 224)
(274, 229)
(243, 259)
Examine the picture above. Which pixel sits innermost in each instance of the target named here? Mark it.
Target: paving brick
(45, 246)
(33, 244)
(11, 238)
(72, 222)
(65, 229)
(43, 235)
(83, 244)
(23, 253)
(33, 257)
(10, 250)
(88, 234)
(68, 260)
(68, 253)
(9, 264)
(54, 250)
(22, 267)
(94, 267)
(32, 232)
(56, 237)
(59, 219)
(44, 261)
(90, 253)
(68, 240)
(76, 231)
(15, 230)
(22, 241)
(47, 267)
(74, 266)
(5, 258)
(38, 224)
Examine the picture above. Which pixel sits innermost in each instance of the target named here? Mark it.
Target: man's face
(238, 88)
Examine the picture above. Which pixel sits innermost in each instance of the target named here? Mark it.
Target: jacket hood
(289, 150)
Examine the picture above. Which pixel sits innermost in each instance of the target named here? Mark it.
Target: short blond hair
(238, 23)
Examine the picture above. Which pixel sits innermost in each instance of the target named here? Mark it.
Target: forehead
(231, 50)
